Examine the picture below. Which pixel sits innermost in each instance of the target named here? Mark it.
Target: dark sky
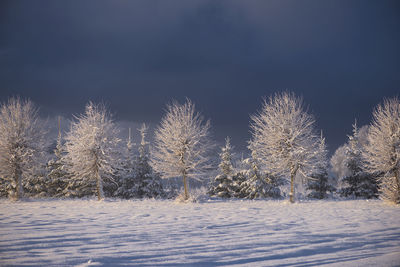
(343, 57)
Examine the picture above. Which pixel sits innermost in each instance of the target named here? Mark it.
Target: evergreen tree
(319, 185)
(80, 186)
(225, 184)
(58, 177)
(6, 188)
(37, 184)
(149, 184)
(258, 184)
(358, 183)
(128, 187)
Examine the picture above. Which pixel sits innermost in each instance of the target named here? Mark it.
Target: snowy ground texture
(213, 233)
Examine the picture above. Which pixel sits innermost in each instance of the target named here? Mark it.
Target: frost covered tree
(320, 186)
(225, 184)
(283, 136)
(36, 184)
(382, 151)
(22, 141)
(181, 143)
(258, 183)
(148, 183)
(128, 187)
(56, 167)
(130, 162)
(358, 183)
(338, 163)
(91, 146)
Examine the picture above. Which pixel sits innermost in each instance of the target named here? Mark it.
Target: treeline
(285, 147)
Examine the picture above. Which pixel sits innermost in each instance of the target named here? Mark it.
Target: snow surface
(212, 233)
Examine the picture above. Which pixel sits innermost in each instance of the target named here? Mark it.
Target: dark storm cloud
(341, 56)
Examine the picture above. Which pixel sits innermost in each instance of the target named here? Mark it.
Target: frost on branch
(382, 151)
(92, 149)
(22, 140)
(182, 143)
(283, 138)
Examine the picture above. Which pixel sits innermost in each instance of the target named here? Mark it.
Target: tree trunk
(18, 181)
(292, 187)
(397, 174)
(100, 193)
(184, 174)
(185, 186)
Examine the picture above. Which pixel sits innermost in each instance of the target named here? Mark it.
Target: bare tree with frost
(284, 139)
(181, 143)
(22, 140)
(91, 146)
(382, 151)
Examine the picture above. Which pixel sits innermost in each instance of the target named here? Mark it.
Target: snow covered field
(213, 233)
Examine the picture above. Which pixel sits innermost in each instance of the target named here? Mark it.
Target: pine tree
(36, 185)
(149, 184)
(338, 164)
(358, 183)
(128, 186)
(225, 184)
(258, 184)
(6, 188)
(319, 185)
(58, 177)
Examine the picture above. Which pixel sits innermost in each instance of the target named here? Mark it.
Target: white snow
(213, 233)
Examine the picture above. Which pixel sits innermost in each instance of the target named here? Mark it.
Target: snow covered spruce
(139, 179)
(182, 144)
(227, 183)
(319, 186)
(256, 182)
(58, 176)
(249, 182)
(358, 183)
